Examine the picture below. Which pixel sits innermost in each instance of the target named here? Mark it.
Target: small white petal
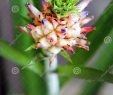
(83, 42)
(72, 42)
(86, 20)
(77, 27)
(52, 38)
(73, 33)
(54, 50)
(62, 42)
(70, 33)
(38, 30)
(44, 43)
(55, 23)
(37, 33)
(47, 24)
(74, 17)
(70, 23)
(83, 5)
(45, 30)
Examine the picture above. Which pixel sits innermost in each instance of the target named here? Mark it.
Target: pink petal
(88, 29)
(69, 49)
(24, 29)
(30, 26)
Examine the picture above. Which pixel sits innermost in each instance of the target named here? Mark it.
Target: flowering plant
(94, 67)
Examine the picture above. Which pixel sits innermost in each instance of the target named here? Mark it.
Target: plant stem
(52, 77)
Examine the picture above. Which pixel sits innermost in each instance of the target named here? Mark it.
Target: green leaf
(85, 73)
(30, 48)
(38, 4)
(66, 55)
(32, 62)
(18, 57)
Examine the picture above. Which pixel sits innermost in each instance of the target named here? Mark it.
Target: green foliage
(85, 73)
(63, 8)
(66, 55)
(19, 57)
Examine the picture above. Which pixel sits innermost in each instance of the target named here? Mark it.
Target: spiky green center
(63, 8)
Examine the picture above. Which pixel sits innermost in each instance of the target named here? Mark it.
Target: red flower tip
(30, 26)
(69, 49)
(88, 29)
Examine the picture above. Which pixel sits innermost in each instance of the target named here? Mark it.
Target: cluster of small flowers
(54, 34)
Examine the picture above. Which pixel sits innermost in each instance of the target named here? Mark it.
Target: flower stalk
(53, 84)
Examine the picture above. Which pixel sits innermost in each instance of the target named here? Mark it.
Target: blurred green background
(84, 73)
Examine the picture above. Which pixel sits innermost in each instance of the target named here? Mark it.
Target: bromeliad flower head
(59, 26)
